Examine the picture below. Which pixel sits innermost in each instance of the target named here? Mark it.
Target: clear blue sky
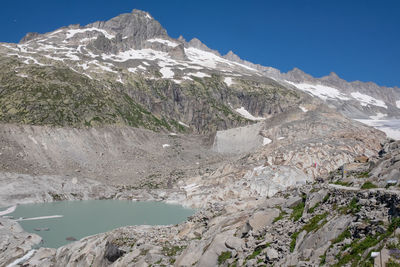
(357, 39)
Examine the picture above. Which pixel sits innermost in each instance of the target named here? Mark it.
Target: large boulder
(112, 252)
(262, 218)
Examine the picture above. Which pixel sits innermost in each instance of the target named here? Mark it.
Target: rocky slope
(323, 223)
(127, 70)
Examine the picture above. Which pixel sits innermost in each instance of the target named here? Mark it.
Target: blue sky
(357, 39)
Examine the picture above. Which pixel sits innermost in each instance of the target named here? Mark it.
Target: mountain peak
(333, 75)
(232, 56)
(137, 26)
(141, 13)
(298, 75)
(196, 43)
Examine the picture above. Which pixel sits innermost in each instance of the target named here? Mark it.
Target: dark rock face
(112, 252)
(29, 36)
(178, 52)
(137, 27)
(103, 44)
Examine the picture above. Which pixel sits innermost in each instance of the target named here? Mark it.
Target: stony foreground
(339, 220)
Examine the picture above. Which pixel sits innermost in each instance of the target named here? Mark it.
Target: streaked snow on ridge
(329, 93)
(368, 100)
(163, 41)
(322, 91)
(398, 103)
(199, 74)
(71, 33)
(242, 111)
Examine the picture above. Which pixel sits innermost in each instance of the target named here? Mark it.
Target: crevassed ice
(368, 100)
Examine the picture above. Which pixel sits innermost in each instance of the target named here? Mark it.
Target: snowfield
(321, 91)
(167, 73)
(390, 127)
(368, 100)
(163, 41)
(73, 32)
(242, 111)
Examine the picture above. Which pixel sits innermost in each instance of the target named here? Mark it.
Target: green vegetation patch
(342, 183)
(345, 234)
(172, 251)
(326, 198)
(368, 185)
(293, 238)
(281, 215)
(353, 207)
(224, 256)
(297, 211)
(363, 175)
(358, 247)
(312, 209)
(314, 223)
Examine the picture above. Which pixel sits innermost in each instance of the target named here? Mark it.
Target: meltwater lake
(69, 220)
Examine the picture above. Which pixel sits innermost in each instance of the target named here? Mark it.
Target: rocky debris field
(112, 155)
(256, 208)
(321, 223)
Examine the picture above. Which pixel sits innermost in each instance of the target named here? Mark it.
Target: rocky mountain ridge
(132, 49)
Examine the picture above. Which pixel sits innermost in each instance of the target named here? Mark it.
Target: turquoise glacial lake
(84, 218)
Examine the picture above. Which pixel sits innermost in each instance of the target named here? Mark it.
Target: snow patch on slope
(184, 124)
(321, 91)
(266, 141)
(242, 111)
(163, 41)
(368, 100)
(228, 81)
(167, 72)
(73, 32)
(200, 74)
(303, 109)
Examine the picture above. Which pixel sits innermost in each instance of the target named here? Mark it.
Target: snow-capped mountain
(131, 47)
